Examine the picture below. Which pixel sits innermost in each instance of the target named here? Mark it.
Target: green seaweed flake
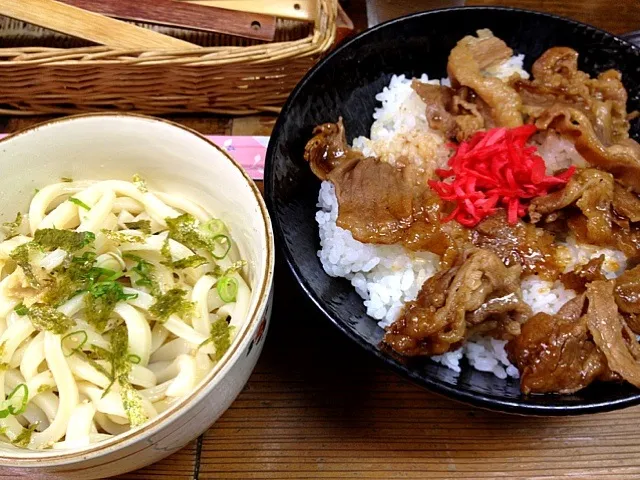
(220, 337)
(184, 229)
(187, 230)
(140, 183)
(22, 256)
(171, 303)
(120, 361)
(143, 225)
(44, 317)
(70, 279)
(24, 438)
(132, 403)
(119, 343)
(120, 237)
(235, 267)
(44, 388)
(102, 300)
(92, 357)
(192, 261)
(165, 251)
(68, 240)
(13, 227)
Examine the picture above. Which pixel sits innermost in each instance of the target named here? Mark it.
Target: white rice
(508, 68)
(388, 276)
(385, 276)
(558, 151)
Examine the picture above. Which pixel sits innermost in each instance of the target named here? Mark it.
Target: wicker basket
(224, 78)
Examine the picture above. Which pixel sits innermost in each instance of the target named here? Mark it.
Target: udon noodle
(115, 301)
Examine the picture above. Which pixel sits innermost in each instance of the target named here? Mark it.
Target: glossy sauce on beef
(477, 289)
(479, 292)
(522, 244)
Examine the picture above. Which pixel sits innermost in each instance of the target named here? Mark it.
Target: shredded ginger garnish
(495, 169)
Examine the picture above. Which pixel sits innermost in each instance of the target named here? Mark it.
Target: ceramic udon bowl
(345, 84)
(175, 160)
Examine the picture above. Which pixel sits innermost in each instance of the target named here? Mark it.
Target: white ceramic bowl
(173, 159)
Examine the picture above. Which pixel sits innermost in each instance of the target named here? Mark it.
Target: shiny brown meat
(384, 204)
(458, 114)
(591, 190)
(439, 101)
(327, 149)
(466, 63)
(627, 291)
(558, 82)
(580, 276)
(587, 340)
(379, 202)
(611, 334)
(626, 203)
(487, 50)
(621, 159)
(627, 240)
(624, 236)
(591, 111)
(555, 354)
(458, 300)
(520, 244)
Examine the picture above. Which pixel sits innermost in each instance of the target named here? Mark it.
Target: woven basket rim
(324, 33)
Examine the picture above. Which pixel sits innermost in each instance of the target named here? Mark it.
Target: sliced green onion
(21, 310)
(66, 179)
(106, 390)
(227, 289)
(79, 203)
(71, 336)
(128, 296)
(14, 405)
(223, 240)
(133, 358)
(213, 227)
(97, 272)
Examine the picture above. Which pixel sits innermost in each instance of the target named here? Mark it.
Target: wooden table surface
(317, 407)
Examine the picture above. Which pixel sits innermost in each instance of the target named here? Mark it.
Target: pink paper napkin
(247, 151)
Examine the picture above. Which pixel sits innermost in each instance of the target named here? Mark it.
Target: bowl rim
(483, 400)
(56, 458)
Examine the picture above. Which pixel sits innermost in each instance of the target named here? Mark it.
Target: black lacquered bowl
(344, 84)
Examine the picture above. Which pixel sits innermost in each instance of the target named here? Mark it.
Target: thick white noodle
(72, 398)
(138, 330)
(67, 392)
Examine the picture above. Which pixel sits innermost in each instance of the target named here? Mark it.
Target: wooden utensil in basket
(185, 15)
(306, 10)
(41, 78)
(89, 26)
